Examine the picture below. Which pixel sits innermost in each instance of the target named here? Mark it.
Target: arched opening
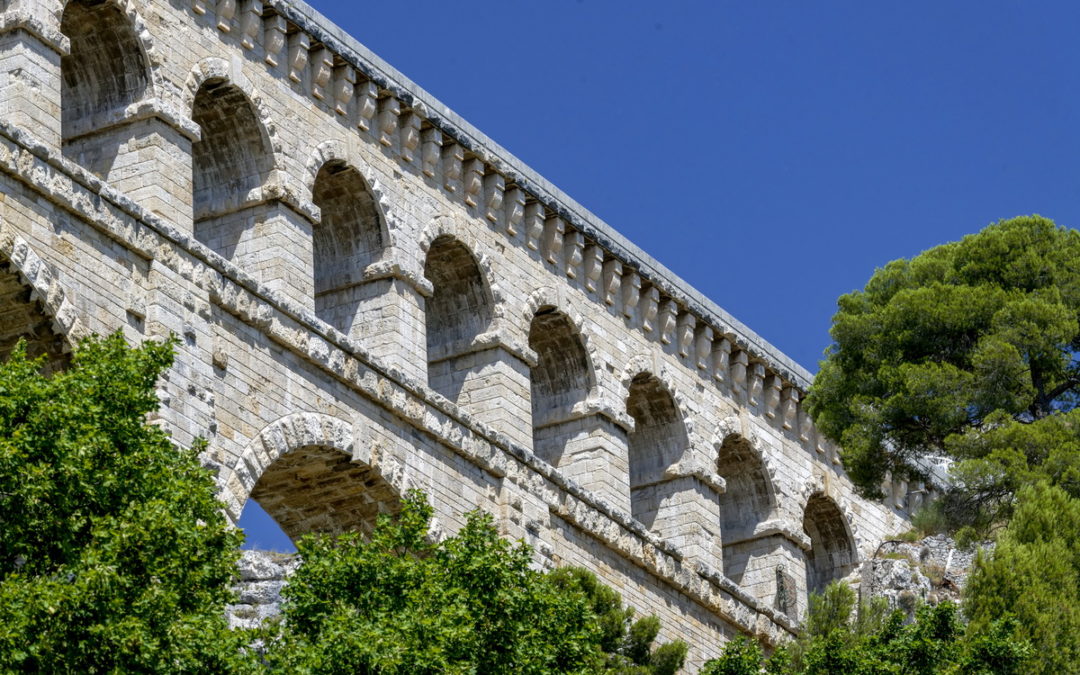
(658, 441)
(320, 489)
(747, 501)
(347, 240)
(105, 70)
(313, 489)
(104, 73)
(561, 376)
(459, 309)
(748, 498)
(832, 552)
(560, 379)
(23, 318)
(229, 162)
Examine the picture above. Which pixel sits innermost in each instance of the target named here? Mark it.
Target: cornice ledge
(24, 18)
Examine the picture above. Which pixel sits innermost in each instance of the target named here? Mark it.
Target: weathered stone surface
(928, 570)
(258, 591)
(371, 296)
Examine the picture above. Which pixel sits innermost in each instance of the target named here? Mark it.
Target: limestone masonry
(373, 296)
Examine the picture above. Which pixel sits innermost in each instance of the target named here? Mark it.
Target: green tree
(399, 602)
(966, 338)
(1033, 575)
(870, 641)
(741, 656)
(626, 645)
(114, 554)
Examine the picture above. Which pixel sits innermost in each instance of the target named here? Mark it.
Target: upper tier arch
(219, 72)
(107, 68)
(335, 153)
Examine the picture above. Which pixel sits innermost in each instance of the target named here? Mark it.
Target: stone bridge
(373, 296)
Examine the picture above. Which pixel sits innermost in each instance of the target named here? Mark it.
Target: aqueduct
(373, 296)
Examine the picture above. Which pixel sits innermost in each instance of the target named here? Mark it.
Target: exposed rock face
(262, 576)
(909, 573)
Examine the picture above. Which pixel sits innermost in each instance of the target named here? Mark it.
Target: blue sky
(773, 154)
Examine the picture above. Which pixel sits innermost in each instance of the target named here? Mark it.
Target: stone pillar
(175, 306)
(30, 49)
(145, 154)
(684, 510)
(767, 562)
(270, 240)
(283, 253)
(489, 379)
(590, 449)
(389, 310)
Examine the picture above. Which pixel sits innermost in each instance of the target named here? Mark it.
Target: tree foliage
(1033, 574)
(114, 554)
(399, 602)
(965, 338)
(838, 639)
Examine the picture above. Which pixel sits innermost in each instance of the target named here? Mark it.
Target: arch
(229, 164)
(832, 553)
(749, 497)
(35, 305)
(658, 441)
(232, 157)
(563, 375)
(107, 68)
(307, 472)
(547, 296)
(443, 228)
(655, 367)
(335, 153)
(213, 71)
(350, 236)
(461, 308)
(23, 316)
(130, 10)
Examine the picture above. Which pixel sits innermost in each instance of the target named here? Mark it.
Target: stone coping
(452, 124)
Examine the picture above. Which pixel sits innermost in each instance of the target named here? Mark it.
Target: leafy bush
(930, 519)
(837, 638)
(114, 553)
(401, 603)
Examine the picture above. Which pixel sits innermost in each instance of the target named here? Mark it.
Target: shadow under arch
(658, 441)
(34, 306)
(22, 317)
(350, 236)
(230, 164)
(832, 553)
(461, 309)
(106, 69)
(749, 498)
(560, 383)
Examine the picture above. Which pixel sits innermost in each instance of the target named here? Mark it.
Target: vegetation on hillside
(869, 640)
(969, 351)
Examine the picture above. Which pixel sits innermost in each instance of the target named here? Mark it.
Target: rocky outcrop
(907, 574)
